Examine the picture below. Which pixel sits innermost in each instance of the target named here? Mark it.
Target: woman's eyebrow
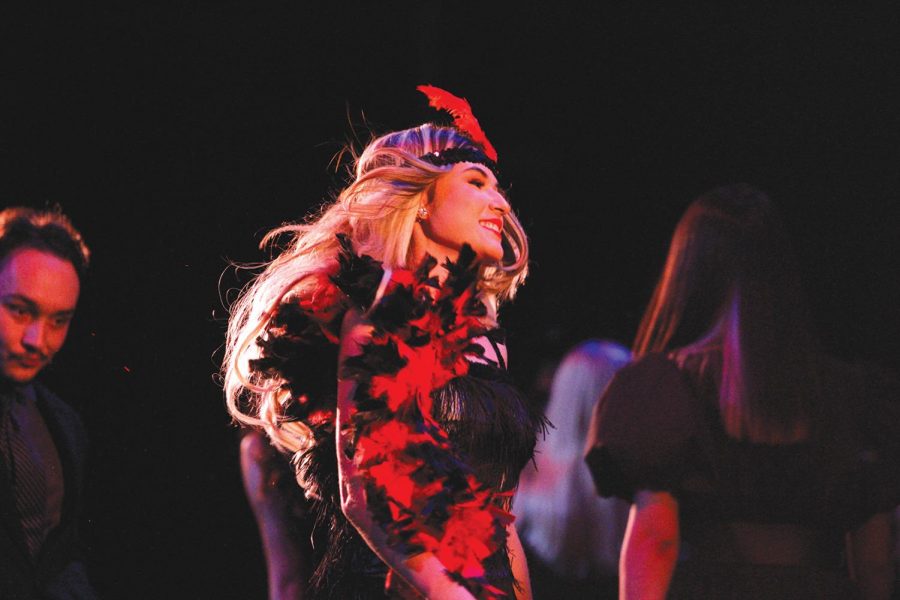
(481, 171)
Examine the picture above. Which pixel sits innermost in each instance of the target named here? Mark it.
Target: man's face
(38, 294)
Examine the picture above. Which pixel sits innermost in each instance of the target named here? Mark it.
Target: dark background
(175, 137)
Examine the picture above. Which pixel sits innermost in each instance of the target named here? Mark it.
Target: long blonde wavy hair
(377, 210)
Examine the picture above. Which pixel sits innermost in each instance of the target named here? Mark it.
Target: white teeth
(491, 225)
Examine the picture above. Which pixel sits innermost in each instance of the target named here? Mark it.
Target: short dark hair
(46, 230)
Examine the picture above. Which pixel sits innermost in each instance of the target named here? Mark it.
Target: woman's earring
(422, 213)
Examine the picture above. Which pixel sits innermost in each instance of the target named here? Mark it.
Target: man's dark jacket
(58, 570)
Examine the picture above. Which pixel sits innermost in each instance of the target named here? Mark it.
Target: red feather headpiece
(463, 119)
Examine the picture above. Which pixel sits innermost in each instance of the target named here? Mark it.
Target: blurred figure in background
(741, 445)
(572, 536)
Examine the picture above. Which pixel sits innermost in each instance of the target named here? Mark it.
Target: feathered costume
(438, 441)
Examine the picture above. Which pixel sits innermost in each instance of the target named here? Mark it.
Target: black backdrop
(174, 137)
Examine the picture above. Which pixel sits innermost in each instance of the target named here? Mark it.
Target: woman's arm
(287, 556)
(869, 554)
(650, 549)
(424, 572)
(519, 563)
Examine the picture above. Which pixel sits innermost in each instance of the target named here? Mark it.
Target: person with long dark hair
(741, 446)
(407, 435)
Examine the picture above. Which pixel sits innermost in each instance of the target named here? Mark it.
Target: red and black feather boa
(418, 487)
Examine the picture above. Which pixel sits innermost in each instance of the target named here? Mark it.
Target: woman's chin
(488, 261)
(488, 254)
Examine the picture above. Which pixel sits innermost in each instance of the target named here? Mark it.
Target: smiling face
(467, 208)
(38, 294)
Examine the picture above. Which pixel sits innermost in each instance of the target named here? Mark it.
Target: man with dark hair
(42, 440)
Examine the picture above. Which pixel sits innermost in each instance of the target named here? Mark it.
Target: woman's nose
(500, 203)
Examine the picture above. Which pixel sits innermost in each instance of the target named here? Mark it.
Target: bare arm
(424, 572)
(651, 545)
(519, 563)
(869, 553)
(287, 557)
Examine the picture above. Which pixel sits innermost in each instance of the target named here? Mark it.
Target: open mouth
(495, 226)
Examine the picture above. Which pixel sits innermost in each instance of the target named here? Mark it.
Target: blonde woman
(407, 435)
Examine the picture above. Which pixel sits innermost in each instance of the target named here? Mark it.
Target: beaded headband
(482, 152)
(460, 154)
